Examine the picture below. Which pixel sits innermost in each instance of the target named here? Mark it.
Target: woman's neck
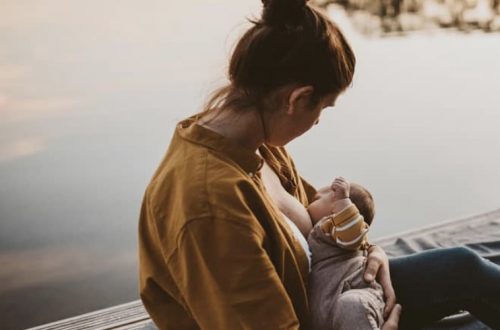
(244, 128)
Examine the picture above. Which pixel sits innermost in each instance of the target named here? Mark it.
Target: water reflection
(13, 110)
(399, 16)
(53, 264)
(21, 148)
(10, 74)
(17, 114)
(49, 283)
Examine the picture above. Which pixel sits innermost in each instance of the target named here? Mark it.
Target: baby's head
(363, 201)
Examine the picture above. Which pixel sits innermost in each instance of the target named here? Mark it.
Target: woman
(215, 252)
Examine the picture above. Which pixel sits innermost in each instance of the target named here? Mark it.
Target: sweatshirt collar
(247, 159)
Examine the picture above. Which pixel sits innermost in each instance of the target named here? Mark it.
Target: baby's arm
(348, 228)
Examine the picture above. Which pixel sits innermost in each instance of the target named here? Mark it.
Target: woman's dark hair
(292, 43)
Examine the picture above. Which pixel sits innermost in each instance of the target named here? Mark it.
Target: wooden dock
(130, 316)
(479, 232)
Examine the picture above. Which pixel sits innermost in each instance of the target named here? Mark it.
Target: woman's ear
(298, 98)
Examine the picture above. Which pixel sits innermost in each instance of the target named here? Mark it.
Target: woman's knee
(454, 259)
(437, 268)
(465, 259)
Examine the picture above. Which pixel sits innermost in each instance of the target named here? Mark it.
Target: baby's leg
(358, 309)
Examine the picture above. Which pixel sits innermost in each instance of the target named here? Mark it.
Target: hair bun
(283, 12)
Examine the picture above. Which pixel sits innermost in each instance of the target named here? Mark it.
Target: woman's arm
(227, 279)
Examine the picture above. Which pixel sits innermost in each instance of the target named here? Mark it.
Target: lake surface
(90, 92)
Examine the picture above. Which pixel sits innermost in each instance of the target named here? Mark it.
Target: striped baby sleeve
(349, 228)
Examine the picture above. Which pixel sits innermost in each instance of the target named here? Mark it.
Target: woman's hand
(377, 267)
(392, 323)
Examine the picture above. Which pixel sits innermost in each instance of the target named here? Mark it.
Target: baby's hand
(341, 188)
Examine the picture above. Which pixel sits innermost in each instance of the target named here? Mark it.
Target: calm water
(90, 92)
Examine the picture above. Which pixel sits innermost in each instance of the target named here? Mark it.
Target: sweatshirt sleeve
(227, 279)
(349, 228)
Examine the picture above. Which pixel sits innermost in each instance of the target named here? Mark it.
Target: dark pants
(436, 283)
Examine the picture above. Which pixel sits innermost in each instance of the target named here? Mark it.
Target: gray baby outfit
(339, 297)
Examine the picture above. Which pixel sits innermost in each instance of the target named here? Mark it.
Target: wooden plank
(131, 315)
(473, 221)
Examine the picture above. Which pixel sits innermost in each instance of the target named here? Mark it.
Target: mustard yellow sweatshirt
(214, 252)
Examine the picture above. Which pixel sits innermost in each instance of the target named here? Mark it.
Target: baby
(339, 296)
